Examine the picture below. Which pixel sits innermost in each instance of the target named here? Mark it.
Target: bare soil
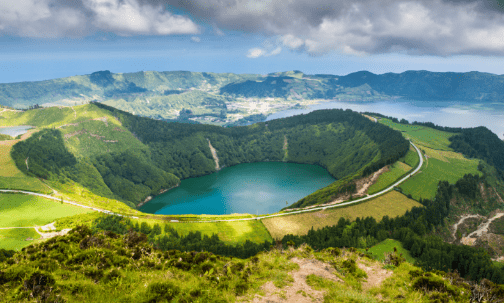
(299, 291)
(376, 275)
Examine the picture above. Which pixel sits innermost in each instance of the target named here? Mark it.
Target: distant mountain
(163, 95)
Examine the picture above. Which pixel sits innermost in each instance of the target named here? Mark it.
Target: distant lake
(254, 188)
(444, 113)
(15, 131)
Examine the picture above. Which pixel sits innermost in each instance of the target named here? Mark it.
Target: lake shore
(149, 198)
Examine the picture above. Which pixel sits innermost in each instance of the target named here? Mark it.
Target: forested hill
(149, 155)
(146, 92)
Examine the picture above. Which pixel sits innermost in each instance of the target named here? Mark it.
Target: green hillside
(121, 156)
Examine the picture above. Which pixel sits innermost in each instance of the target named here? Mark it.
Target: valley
(393, 182)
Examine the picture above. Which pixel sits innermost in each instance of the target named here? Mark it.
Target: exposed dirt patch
(299, 291)
(76, 133)
(376, 275)
(364, 183)
(49, 226)
(463, 219)
(362, 186)
(53, 234)
(498, 196)
(103, 119)
(492, 243)
(214, 155)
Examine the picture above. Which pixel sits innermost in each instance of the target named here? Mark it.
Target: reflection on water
(444, 113)
(15, 131)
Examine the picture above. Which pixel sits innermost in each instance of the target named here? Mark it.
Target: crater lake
(254, 188)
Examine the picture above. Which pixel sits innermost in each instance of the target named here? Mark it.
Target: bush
(41, 285)
(160, 291)
(112, 275)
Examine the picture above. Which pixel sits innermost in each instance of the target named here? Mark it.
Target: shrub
(112, 275)
(333, 251)
(134, 238)
(240, 288)
(40, 285)
(159, 291)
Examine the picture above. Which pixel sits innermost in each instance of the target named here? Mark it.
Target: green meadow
(422, 135)
(233, 232)
(440, 166)
(387, 246)
(17, 238)
(411, 158)
(395, 171)
(440, 162)
(391, 204)
(18, 210)
(11, 177)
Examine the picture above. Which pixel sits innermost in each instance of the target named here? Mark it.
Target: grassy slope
(229, 232)
(422, 135)
(11, 177)
(16, 239)
(441, 162)
(378, 251)
(237, 281)
(396, 171)
(391, 204)
(18, 210)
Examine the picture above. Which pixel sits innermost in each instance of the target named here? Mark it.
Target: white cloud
(261, 52)
(38, 18)
(255, 53)
(195, 39)
(292, 41)
(275, 52)
(128, 17)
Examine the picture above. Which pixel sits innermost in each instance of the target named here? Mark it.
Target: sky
(46, 39)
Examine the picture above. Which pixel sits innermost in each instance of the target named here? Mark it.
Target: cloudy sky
(43, 39)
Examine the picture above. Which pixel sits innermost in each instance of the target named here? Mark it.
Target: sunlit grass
(391, 204)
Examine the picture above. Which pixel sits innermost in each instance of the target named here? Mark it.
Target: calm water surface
(453, 114)
(255, 188)
(15, 131)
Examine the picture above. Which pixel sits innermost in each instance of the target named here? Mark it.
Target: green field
(229, 232)
(11, 177)
(16, 239)
(55, 116)
(378, 251)
(422, 135)
(17, 210)
(411, 158)
(391, 204)
(396, 171)
(441, 163)
(439, 166)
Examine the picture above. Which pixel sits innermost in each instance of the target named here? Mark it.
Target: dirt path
(299, 291)
(483, 228)
(375, 275)
(53, 234)
(461, 220)
(214, 155)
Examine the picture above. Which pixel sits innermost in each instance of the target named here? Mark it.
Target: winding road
(391, 187)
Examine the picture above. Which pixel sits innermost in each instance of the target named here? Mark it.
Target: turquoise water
(15, 131)
(255, 188)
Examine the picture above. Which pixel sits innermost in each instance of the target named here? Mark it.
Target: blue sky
(47, 39)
